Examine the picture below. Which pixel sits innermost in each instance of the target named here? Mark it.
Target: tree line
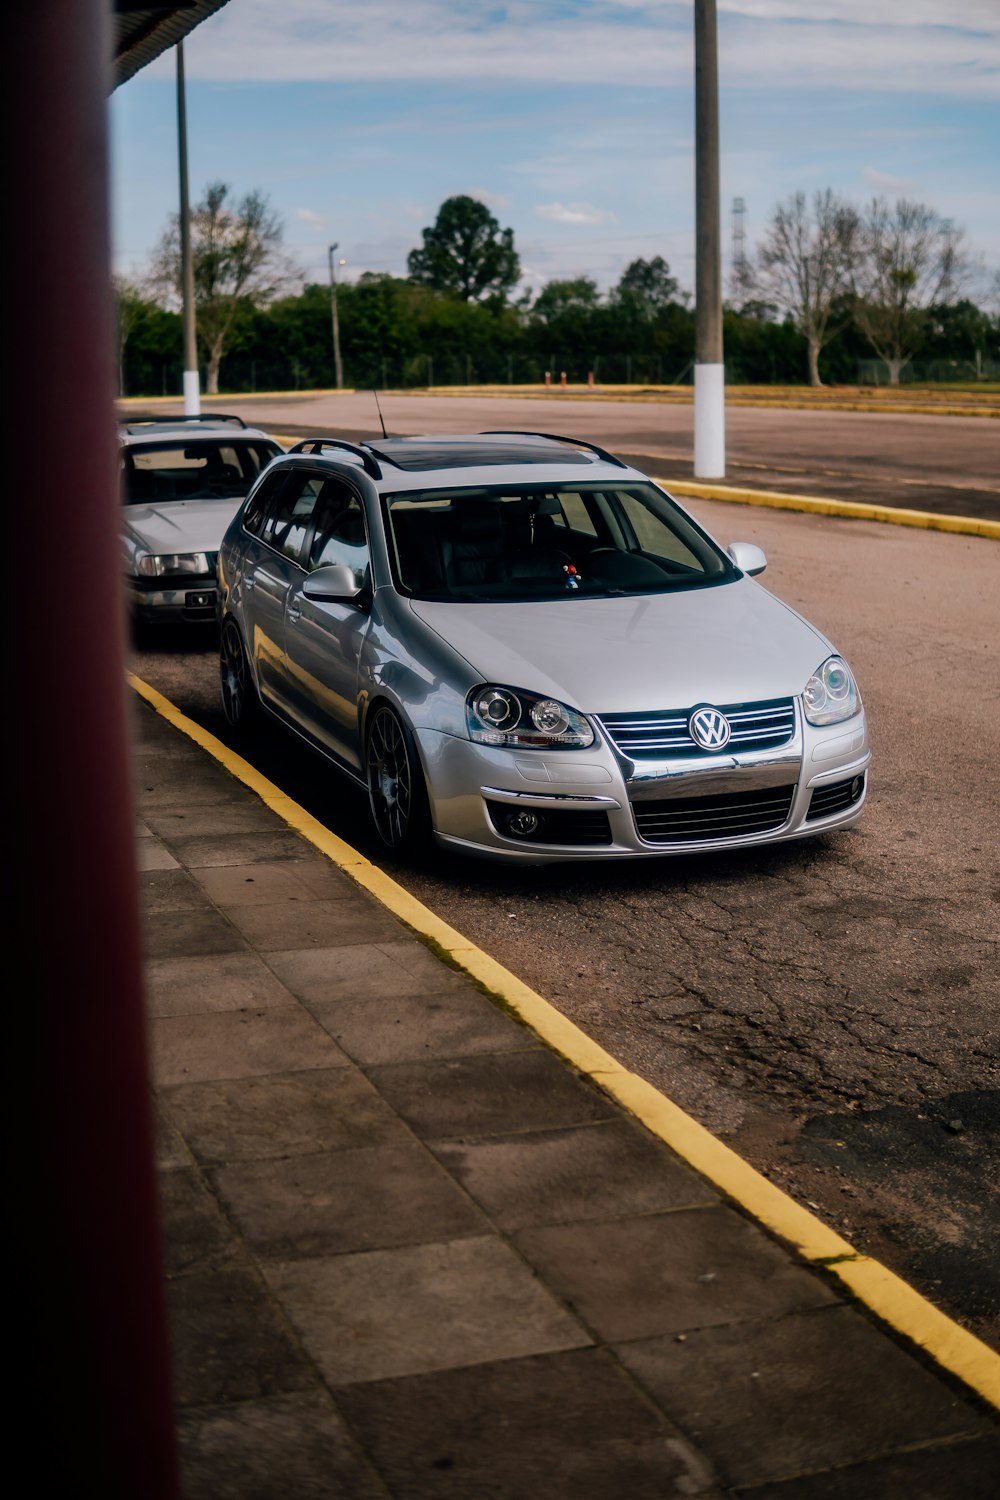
(831, 286)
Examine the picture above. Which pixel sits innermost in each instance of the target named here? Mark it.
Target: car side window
(339, 534)
(288, 521)
(261, 501)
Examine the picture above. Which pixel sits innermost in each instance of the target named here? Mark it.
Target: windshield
(191, 471)
(572, 541)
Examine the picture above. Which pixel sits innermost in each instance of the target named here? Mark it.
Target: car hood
(732, 643)
(181, 525)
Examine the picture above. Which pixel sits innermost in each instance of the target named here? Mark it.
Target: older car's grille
(557, 825)
(754, 726)
(688, 820)
(835, 798)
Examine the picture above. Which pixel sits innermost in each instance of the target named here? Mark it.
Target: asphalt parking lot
(828, 1008)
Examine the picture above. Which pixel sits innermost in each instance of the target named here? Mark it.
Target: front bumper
(193, 601)
(540, 807)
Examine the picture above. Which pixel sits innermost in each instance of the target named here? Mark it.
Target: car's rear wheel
(396, 791)
(240, 703)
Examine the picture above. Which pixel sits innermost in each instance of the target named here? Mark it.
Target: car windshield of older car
(192, 471)
(566, 541)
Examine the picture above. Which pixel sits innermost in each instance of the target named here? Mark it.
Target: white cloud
(574, 213)
(851, 46)
(310, 219)
(882, 182)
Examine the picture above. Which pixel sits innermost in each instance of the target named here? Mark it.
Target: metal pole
(338, 369)
(709, 370)
(192, 386)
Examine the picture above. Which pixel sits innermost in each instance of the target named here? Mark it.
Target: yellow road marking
(819, 505)
(890, 1298)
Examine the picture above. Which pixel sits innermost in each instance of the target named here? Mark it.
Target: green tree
(910, 260)
(238, 264)
(646, 287)
(466, 252)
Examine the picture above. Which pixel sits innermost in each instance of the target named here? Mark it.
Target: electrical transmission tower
(739, 272)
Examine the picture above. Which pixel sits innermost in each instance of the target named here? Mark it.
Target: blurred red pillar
(89, 1285)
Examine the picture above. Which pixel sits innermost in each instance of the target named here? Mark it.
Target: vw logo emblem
(709, 728)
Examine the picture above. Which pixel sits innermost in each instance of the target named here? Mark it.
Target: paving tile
(240, 848)
(297, 1447)
(175, 934)
(292, 1114)
(424, 1307)
(239, 1044)
(554, 1427)
(227, 1341)
(636, 1277)
(772, 1400)
(361, 970)
(489, 1094)
(196, 1235)
(215, 982)
(169, 1149)
(244, 815)
(332, 1203)
(955, 1471)
(285, 881)
(314, 924)
(397, 1028)
(162, 890)
(585, 1173)
(151, 854)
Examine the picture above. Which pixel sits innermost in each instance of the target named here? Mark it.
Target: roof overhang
(140, 32)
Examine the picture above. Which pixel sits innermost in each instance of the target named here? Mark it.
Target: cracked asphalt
(829, 1007)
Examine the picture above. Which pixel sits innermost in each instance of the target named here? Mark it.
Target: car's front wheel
(240, 703)
(396, 791)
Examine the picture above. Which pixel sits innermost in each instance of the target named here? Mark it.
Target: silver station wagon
(182, 479)
(525, 649)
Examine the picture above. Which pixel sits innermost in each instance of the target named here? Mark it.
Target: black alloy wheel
(239, 696)
(396, 791)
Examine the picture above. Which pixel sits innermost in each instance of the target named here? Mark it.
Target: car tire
(397, 794)
(240, 703)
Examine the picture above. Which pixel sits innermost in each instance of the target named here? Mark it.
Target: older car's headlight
(831, 694)
(165, 564)
(501, 716)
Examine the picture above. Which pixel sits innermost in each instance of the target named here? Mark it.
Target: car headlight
(831, 694)
(501, 716)
(165, 564)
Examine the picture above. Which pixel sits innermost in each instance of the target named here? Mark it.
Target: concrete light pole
(192, 387)
(338, 368)
(709, 369)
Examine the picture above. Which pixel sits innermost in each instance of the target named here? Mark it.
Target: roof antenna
(380, 417)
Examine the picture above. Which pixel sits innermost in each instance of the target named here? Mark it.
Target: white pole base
(710, 421)
(192, 393)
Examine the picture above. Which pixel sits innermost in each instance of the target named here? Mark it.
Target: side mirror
(335, 581)
(748, 557)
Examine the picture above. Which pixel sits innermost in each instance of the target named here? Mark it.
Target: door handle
(248, 581)
(294, 611)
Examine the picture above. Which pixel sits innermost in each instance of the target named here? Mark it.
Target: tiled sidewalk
(412, 1253)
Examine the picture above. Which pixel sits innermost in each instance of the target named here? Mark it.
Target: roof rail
(201, 416)
(555, 438)
(316, 445)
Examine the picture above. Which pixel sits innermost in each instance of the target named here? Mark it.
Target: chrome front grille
(695, 820)
(659, 735)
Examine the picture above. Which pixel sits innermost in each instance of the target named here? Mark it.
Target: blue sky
(571, 119)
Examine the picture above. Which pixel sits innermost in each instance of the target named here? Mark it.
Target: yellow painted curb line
(819, 505)
(890, 1298)
(642, 395)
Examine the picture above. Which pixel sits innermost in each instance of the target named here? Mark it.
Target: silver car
(182, 480)
(524, 648)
